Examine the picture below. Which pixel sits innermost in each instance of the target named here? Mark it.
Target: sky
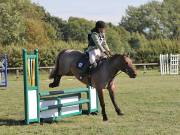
(106, 10)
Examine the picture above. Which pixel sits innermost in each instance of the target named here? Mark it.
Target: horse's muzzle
(133, 75)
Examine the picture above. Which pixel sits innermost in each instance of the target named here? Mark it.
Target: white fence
(169, 64)
(164, 64)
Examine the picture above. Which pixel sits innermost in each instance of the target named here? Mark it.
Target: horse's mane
(115, 56)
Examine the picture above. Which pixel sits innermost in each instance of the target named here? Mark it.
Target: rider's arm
(106, 47)
(97, 41)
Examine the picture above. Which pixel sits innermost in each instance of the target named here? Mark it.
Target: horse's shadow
(11, 122)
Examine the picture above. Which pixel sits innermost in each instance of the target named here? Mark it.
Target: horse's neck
(113, 67)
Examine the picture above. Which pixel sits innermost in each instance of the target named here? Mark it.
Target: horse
(103, 77)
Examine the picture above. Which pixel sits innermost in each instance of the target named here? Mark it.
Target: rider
(97, 46)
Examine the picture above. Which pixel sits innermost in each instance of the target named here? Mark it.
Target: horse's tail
(54, 72)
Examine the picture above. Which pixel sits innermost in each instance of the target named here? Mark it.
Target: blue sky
(107, 10)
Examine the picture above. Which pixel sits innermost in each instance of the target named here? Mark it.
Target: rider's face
(102, 30)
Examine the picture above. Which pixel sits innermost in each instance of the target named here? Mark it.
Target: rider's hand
(110, 53)
(107, 53)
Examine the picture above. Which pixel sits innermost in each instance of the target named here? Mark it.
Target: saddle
(84, 65)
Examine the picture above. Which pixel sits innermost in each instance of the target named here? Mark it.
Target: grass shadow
(1, 88)
(56, 121)
(11, 122)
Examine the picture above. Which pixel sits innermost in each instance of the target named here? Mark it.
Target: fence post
(17, 74)
(145, 69)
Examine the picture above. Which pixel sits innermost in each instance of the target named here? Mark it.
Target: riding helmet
(100, 24)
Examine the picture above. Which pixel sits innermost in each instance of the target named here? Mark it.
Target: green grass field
(151, 104)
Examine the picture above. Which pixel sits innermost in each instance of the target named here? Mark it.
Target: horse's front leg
(101, 99)
(55, 82)
(111, 89)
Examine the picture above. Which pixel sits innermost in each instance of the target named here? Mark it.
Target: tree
(57, 23)
(77, 29)
(171, 11)
(12, 28)
(35, 32)
(117, 39)
(154, 20)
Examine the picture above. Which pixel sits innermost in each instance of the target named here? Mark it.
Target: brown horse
(103, 77)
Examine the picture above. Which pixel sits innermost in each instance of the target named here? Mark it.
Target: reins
(118, 73)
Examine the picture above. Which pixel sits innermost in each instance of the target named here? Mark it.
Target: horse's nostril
(134, 75)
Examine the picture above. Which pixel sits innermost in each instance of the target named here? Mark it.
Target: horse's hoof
(118, 111)
(94, 113)
(52, 85)
(120, 114)
(105, 118)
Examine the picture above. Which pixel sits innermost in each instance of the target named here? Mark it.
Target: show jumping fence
(169, 64)
(53, 105)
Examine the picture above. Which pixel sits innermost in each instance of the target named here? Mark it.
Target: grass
(151, 104)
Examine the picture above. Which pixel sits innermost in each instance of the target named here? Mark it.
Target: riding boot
(86, 72)
(83, 74)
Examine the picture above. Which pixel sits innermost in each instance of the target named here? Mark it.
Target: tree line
(143, 33)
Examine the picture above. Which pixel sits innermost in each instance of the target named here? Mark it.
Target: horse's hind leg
(55, 82)
(111, 89)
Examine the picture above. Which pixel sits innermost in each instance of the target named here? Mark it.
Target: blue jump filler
(3, 71)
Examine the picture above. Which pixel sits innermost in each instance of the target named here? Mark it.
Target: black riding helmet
(100, 24)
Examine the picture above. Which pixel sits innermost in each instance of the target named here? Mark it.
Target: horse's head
(127, 66)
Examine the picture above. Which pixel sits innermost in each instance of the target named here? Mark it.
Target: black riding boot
(83, 73)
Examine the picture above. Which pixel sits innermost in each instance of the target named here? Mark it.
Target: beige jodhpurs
(94, 55)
